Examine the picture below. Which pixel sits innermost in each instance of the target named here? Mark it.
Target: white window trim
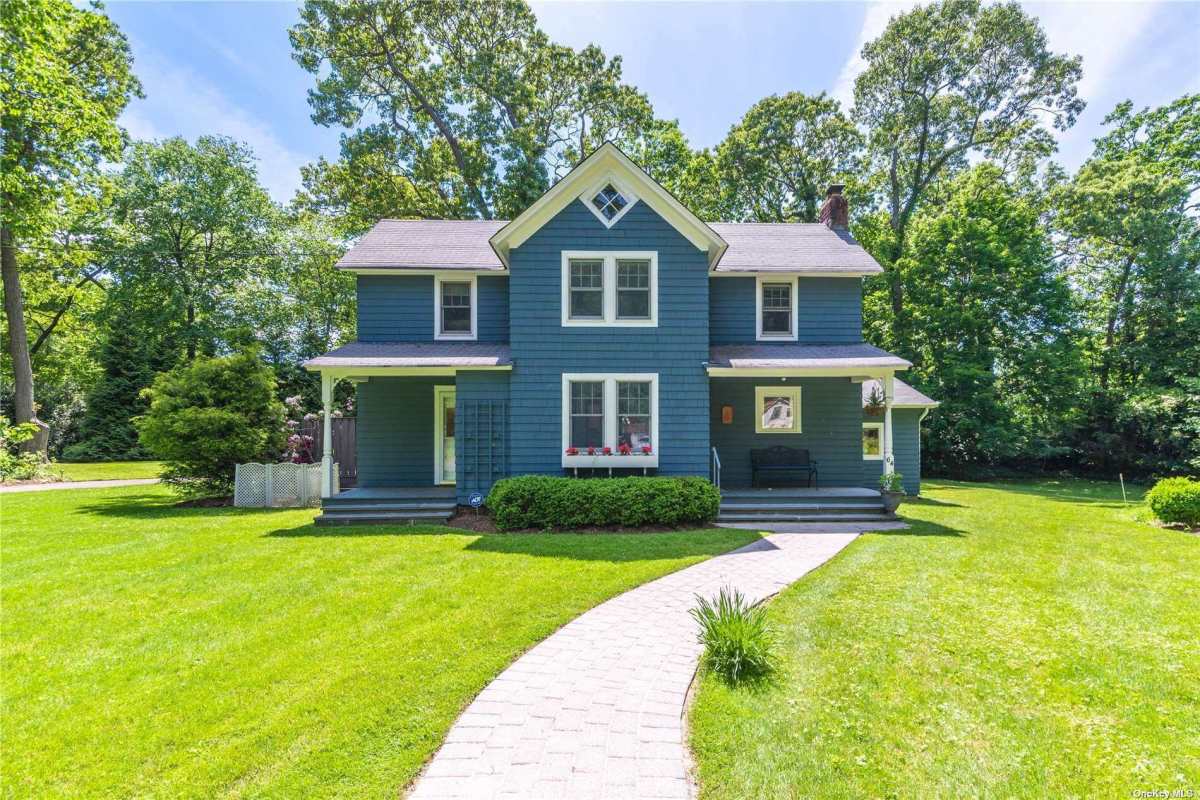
(610, 380)
(594, 189)
(439, 422)
(792, 281)
(878, 425)
(438, 335)
(761, 392)
(609, 292)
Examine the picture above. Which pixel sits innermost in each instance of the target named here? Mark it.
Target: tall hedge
(209, 415)
(550, 503)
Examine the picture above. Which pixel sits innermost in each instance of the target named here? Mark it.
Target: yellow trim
(761, 393)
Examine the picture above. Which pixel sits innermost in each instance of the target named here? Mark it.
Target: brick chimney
(835, 211)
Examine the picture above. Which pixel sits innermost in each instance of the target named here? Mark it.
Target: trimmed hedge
(1176, 500)
(550, 503)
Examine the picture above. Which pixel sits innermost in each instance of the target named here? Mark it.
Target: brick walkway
(596, 710)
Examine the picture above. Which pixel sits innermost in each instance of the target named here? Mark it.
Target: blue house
(609, 330)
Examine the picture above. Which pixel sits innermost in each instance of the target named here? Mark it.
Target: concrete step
(393, 518)
(878, 516)
(800, 508)
(389, 506)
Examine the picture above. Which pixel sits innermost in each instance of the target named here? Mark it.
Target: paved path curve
(596, 710)
(49, 487)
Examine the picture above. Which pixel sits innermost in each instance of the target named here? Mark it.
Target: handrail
(716, 468)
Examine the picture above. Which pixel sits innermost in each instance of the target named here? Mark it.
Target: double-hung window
(610, 288)
(617, 411)
(454, 306)
(776, 309)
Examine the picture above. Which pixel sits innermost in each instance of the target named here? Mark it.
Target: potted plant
(892, 491)
(875, 402)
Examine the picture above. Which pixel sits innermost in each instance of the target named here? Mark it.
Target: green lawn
(1022, 640)
(107, 470)
(152, 651)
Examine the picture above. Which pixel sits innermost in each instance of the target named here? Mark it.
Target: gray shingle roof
(415, 354)
(902, 394)
(791, 247)
(802, 356)
(463, 244)
(426, 244)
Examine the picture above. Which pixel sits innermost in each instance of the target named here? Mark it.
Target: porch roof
(772, 357)
(903, 395)
(458, 355)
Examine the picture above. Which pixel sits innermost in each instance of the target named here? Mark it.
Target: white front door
(443, 455)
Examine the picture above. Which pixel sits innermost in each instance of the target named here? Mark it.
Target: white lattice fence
(279, 485)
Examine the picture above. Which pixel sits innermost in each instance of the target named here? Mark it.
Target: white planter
(584, 461)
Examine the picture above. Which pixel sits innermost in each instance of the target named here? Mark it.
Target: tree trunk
(18, 343)
(191, 331)
(1110, 327)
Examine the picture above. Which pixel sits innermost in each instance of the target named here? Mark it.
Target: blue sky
(226, 67)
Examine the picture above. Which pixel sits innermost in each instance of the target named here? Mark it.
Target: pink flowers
(572, 451)
(591, 451)
(646, 449)
(624, 449)
(608, 451)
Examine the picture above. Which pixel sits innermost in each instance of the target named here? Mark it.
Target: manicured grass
(156, 651)
(1022, 640)
(107, 470)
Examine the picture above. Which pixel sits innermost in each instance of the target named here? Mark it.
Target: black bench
(780, 459)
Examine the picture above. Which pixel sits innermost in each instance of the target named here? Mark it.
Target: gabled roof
(792, 247)
(607, 163)
(903, 395)
(426, 244)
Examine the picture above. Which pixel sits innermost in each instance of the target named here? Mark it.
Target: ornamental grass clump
(739, 643)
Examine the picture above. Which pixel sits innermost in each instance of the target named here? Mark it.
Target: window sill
(616, 462)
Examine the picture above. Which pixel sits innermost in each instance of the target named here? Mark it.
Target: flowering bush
(300, 446)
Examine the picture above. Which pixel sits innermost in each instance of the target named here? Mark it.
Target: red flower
(625, 449)
(572, 451)
(646, 449)
(608, 451)
(591, 451)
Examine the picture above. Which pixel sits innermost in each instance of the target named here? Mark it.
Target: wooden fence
(345, 449)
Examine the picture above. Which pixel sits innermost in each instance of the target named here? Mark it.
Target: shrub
(209, 415)
(891, 482)
(552, 503)
(14, 464)
(738, 641)
(1176, 500)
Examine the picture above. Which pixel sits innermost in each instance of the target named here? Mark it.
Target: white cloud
(874, 22)
(180, 102)
(1104, 34)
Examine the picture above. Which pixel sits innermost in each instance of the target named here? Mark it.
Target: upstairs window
(633, 288)
(609, 202)
(454, 308)
(587, 289)
(610, 288)
(776, 311)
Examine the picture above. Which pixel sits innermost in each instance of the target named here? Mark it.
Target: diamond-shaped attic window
(609, 202)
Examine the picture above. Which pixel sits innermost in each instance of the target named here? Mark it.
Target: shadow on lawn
(637, 546)
(155, 506)
(918, 527)
(1077, 491)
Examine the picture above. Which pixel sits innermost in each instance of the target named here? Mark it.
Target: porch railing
(716, 468)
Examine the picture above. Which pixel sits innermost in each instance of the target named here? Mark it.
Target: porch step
(381, 506)
(866, 516)
(382, 518)
(792, 507)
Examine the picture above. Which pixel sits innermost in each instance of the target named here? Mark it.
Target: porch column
(889, 461)
(326, 434)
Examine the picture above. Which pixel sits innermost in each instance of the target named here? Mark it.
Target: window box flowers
(625, 456)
